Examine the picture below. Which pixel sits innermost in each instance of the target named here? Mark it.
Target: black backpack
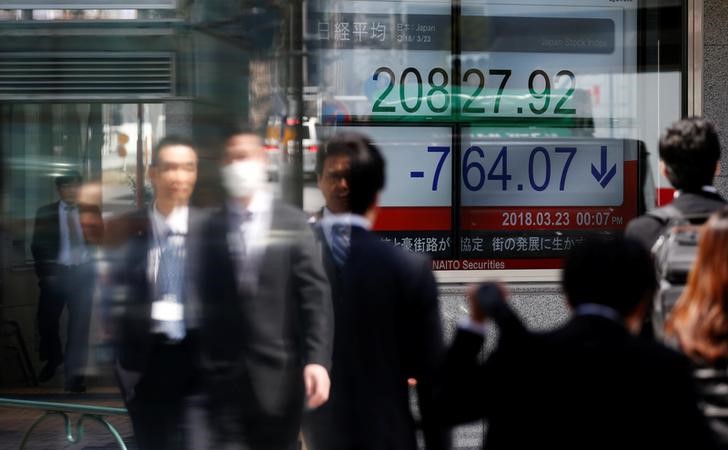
(674, 253)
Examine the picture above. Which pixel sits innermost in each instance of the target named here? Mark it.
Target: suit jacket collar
(594, 326)
(691, 196)
(224, 217)
(141, 237)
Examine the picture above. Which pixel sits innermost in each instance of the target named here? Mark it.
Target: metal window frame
(104, 97)
(695, 57)
(693, 98)
(86, 4)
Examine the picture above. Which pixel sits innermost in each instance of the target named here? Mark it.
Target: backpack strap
(670, 214)
(665, 214)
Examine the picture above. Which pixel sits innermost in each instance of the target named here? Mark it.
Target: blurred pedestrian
(58, 248)
(82, 287)
(591, 383)
(267, 318)
(689, 159)
(699, 322)
(153, 308)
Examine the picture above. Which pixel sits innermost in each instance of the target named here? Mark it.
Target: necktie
(74, 238)
(240, 250)
(170, 281)
(340, 236)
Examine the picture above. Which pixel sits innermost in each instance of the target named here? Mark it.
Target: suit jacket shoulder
(597, 356)
(45, 243)
(120, 229)
(288, 217)
(392, 257)
(50, 209)
(647, 228)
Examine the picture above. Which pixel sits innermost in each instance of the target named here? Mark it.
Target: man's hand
(317, 383)
(476, 315)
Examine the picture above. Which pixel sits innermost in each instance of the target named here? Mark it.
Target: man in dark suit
(387, 321)
(153, 309)
(58, 248)
(591, 383)
(267, 315)
(689, 154)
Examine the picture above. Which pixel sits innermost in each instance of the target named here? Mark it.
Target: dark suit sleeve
(315, 307)
(45, 240)
(645, 229)
(427, 351)
(679, 408)
(469, 390)
(460, 397)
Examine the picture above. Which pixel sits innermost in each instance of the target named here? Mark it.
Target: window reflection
(490, 139)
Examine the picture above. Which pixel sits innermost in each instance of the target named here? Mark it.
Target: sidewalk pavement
(50, 435)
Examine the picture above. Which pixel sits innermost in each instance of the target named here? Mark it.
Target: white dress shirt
(350, 220)
(253, 233)
(64, 254)
(707, 188)
(176, 222)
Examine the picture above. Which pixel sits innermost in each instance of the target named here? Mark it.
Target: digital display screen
(508, 142)
(416, 204)
(542, 172)
(383, 60)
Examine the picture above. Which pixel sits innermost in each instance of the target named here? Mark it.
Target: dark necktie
(340, 236)
(245, 273)
(170, 280)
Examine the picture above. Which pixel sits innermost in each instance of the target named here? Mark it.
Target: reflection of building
(74, 82)
(94, 89)
(73, 78)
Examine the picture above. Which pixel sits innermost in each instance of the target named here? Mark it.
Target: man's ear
(373, 210)
(663, 168)
(717, 169)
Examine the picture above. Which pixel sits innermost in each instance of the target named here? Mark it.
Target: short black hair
(617, 272)
(169, 141)
(237, 130)
(68, 177)
(331, 148)
(690, 149)
(366, 170)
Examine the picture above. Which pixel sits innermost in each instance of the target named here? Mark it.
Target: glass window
(512, 131)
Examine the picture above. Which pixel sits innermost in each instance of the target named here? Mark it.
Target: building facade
(512, 130)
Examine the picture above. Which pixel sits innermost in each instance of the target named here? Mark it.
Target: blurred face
(244, 166)
(333, 185)
(89, 213)
(175, 174)
(69, 192)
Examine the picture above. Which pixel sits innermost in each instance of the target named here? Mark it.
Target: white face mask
(243, 178)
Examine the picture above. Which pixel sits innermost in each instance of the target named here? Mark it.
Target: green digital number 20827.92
(438, 99)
